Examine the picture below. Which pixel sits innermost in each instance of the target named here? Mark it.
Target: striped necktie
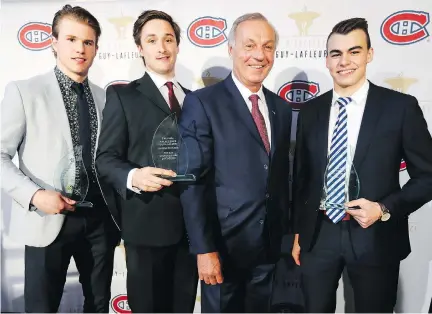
(336, 170)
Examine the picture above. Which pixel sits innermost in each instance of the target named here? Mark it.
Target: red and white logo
(117, 82)
(298, 92)
(35, 36)
(207, 32)
(405, 27)
(402, 165)
(119, 304)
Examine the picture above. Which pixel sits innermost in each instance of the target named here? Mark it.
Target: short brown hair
(78, 13)
(149, 15)
(347, 26)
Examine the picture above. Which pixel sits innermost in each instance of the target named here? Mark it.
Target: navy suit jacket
(392, 128)
(239, 204)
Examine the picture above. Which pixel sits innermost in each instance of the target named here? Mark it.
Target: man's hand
(146, 179)
(209, 268)
(296, 250)
(52, 202)
(368, 213)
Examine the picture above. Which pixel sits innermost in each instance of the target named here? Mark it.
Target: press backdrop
(400, 35)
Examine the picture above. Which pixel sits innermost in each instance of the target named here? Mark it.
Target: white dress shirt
(160, 84)
(262, 105)
(355, 110)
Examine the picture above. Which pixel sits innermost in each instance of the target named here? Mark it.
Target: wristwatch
(385, 212)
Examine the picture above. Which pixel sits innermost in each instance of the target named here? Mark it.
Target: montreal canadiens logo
(402, 165)
(298, 92)
(117, 82)
(119, 304)
(207, 32)
(35, 36)
(405, 27)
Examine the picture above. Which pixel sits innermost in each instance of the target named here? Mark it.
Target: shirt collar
(245, 92)
(359, 97)
(65, 80)
(160, 81)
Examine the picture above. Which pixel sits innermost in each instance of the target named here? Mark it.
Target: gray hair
(248, 17)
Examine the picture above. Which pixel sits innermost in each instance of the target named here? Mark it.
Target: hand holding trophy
(71, 178)
(169, 151)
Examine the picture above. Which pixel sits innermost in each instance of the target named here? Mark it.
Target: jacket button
(265, 167)
(267, 195)
(261, 221)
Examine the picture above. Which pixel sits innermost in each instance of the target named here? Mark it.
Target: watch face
(385, 217)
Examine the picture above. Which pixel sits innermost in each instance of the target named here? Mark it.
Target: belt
(346, 218)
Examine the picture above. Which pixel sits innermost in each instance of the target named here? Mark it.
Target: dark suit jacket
(132, 114)
(237, 206)
(392, 128)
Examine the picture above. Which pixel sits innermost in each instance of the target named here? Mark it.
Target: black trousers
(90, 239)
(244, 289)
(161, 279)
(374, 286)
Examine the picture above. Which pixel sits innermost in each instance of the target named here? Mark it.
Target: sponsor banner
(207, 32)
(405, 27)
(298, 92)
(119, 304)
(35, 36)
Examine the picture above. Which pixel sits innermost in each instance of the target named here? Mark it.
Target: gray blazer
(34, 123)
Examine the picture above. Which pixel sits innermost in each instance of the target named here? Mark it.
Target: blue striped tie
(336, 170)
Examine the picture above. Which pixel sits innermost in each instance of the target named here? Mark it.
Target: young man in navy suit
(372, 128)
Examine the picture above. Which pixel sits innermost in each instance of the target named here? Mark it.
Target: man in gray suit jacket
(44, 119)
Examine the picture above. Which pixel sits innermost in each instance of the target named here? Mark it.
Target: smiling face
(253, 52)
(347, 58)
(75, 48)
(159, 47)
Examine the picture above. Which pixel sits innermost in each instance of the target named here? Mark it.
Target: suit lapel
(99, 103)
(323, 119)
(55, 100)
(369, 122)
(273, 120)
(242, 110)
(99, 100)
(185, 90)
(149, 89)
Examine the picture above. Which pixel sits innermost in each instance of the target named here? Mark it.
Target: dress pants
(244, 289)
(89, 236)
(374, 286)
(161, 279)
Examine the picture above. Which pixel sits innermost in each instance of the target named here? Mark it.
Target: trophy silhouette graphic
(303, 20)
(120, 24)
(400, 83)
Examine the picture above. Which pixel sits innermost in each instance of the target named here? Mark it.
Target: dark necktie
(173, 102)
(259, 121)
(84, 124)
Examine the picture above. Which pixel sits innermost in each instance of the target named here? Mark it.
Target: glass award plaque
(71, 178)
(169, 151)
(347, 173)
